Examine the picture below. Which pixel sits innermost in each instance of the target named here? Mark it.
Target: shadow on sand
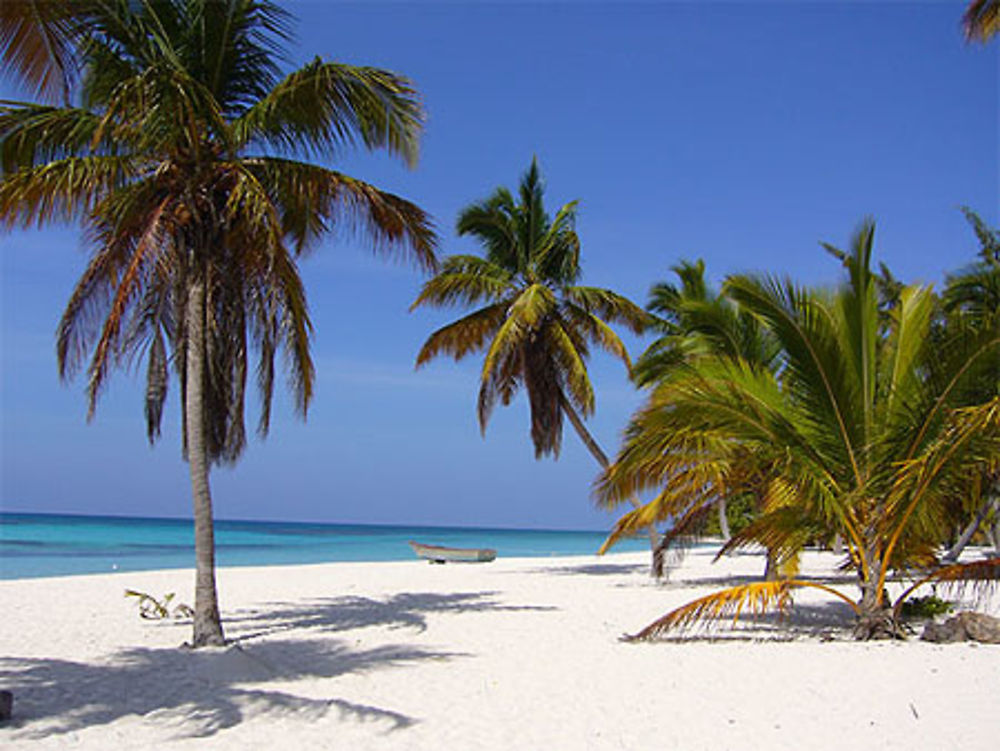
(826, 621)
(199, 693)
(406, 610)
(595, 569)
(196, 692)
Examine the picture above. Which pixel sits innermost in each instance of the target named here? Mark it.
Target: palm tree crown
(537, 325)
(180, 160)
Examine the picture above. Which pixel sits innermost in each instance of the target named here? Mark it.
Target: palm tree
(864, 429)
(693, 321)
(981, 20)
(537, 325)
(180, 161)
(972, 299)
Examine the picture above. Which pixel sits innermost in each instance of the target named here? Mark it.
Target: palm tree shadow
(826, 621)
(198, 692)
(331, 614)
(736, 580)
(596, 569)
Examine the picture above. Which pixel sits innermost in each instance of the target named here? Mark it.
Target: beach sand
(515, 654)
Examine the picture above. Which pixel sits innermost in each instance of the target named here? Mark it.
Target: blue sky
(743, 133)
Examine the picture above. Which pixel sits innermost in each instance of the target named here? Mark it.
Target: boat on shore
(441, 554)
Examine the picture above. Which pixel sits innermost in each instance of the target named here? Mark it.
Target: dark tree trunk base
(878, 626)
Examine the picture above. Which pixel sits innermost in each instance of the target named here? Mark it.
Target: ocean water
(34, 545)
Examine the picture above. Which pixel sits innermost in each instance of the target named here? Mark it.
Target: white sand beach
(515, 654)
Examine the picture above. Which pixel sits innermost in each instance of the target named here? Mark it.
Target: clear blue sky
(743, 133)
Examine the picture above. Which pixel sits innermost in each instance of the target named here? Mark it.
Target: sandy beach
(515, 654)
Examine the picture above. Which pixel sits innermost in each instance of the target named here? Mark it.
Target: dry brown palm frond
(756, 598)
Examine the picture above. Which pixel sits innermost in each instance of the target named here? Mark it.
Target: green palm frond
(610, 307)
(62, 190)
(813, 358)
(906, 347)
(491, 223)
(596, 331)
(32, 134)
(513, 334)
(465, 280)
(326, 106)
(572, 368)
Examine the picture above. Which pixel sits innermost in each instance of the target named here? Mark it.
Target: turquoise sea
(34, 545)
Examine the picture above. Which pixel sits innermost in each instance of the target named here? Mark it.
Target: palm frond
(33, 133)
(755, 598)
(572, 368)
(597, 331)
(325, 106)
(37, 38)
(465, 280)
(611, 307)
(981, 20)
(466, 335)
(812, 355)
(62, 190)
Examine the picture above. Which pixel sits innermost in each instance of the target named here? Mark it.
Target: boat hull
(441, 554)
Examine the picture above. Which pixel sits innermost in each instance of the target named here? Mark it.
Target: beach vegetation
(692, 320)
(153, 609)
(871, 426)
(971, 300)
(178, 144)
(929, 606)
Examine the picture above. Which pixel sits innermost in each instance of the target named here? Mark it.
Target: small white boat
(440, 554)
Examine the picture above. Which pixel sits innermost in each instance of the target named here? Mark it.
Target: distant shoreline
(43, 545)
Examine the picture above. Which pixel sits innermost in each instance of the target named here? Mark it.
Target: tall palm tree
(981, 20)
(864, 429)
(180, 160)
(537, 325)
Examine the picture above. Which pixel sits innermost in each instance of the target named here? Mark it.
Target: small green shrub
(926, 607)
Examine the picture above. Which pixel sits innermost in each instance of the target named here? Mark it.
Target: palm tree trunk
(207, 624)
(875, 619)
(992, 503)
(656, 566)
(723, 519)
(838, 544)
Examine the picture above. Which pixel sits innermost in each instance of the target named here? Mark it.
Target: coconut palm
(693, 321)
(972, 299)
(180, 160)
(864, 430)
(537, 326)
(981, 20)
